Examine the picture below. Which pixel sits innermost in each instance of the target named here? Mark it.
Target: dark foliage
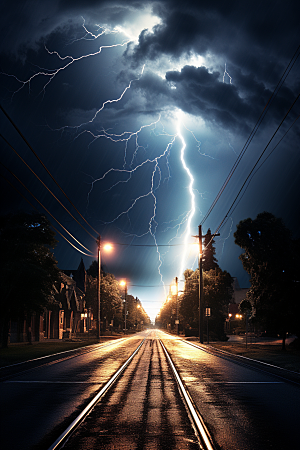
(29, 270)
(271, 257)
(209, 260)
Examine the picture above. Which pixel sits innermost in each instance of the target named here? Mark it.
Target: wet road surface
(243, 408)
(143, 410)
(37, 405)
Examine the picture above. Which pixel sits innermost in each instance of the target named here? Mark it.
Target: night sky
(140, 111)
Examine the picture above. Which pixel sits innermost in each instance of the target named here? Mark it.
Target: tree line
(270, 256)
(29, 276)
(217, 293)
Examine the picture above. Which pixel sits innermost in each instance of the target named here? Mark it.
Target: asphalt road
(143, 410)
(37, 404)
(242, 407)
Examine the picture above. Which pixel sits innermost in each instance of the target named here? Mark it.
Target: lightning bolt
(159, 164)
(229, 233)
(68, 60)
(191, 213)
(226, 73)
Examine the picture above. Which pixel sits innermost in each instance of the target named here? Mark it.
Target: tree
(209, 260)
(110, 298)
(29, 270)
(271, 257)
(93, 269)
(189, 301)
(217, 292)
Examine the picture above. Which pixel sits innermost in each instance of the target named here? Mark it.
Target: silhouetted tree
(93, 269)
(209, 260)
(271, 257)
(217, 292)
(29, 270)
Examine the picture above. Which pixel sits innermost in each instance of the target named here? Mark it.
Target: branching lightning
(51, 74)
(159, 164)
(229, 233)
(226, 73)
(188, 230)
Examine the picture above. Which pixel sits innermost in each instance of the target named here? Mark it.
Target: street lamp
(136, 312)
(174, 289)
(107, 247)
(123, 283)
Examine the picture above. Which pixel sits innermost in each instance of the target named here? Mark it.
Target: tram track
(146, 375)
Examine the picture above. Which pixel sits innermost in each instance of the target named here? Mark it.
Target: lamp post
(175, 292)
(98, 287)
(207, 314)
(107, 247)
(123, 283)
(137, 308)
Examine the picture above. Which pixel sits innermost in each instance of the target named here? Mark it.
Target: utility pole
(125, 331)
(200, 307)
(177, 321)
(98, 289)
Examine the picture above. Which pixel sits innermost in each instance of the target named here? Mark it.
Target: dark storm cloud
(255, 43)
(28, 24)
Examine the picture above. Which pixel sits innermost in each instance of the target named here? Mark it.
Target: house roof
(78, 275)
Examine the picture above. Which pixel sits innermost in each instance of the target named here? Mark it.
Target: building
(234, 314)
(64, 317)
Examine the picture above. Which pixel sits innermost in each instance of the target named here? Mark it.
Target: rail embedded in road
(155, 406)
(62, 438)
(198, 422)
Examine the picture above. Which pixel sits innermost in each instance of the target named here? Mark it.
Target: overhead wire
(53, 195)
(254, 130)
(49, 173)
(250, 173)
(31, 204)
(28, 190)
(267, 157)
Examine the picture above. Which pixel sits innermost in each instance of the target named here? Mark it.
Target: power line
(27, 165)
(40, 161)
(257, 161)
(45, 208)
(254, 130)
(281, 139)
(17, 190)
(152, 245)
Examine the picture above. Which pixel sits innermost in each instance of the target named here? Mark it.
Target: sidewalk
(259, 340)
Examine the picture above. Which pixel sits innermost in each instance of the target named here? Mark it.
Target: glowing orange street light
(124, 283)
(106, 247)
